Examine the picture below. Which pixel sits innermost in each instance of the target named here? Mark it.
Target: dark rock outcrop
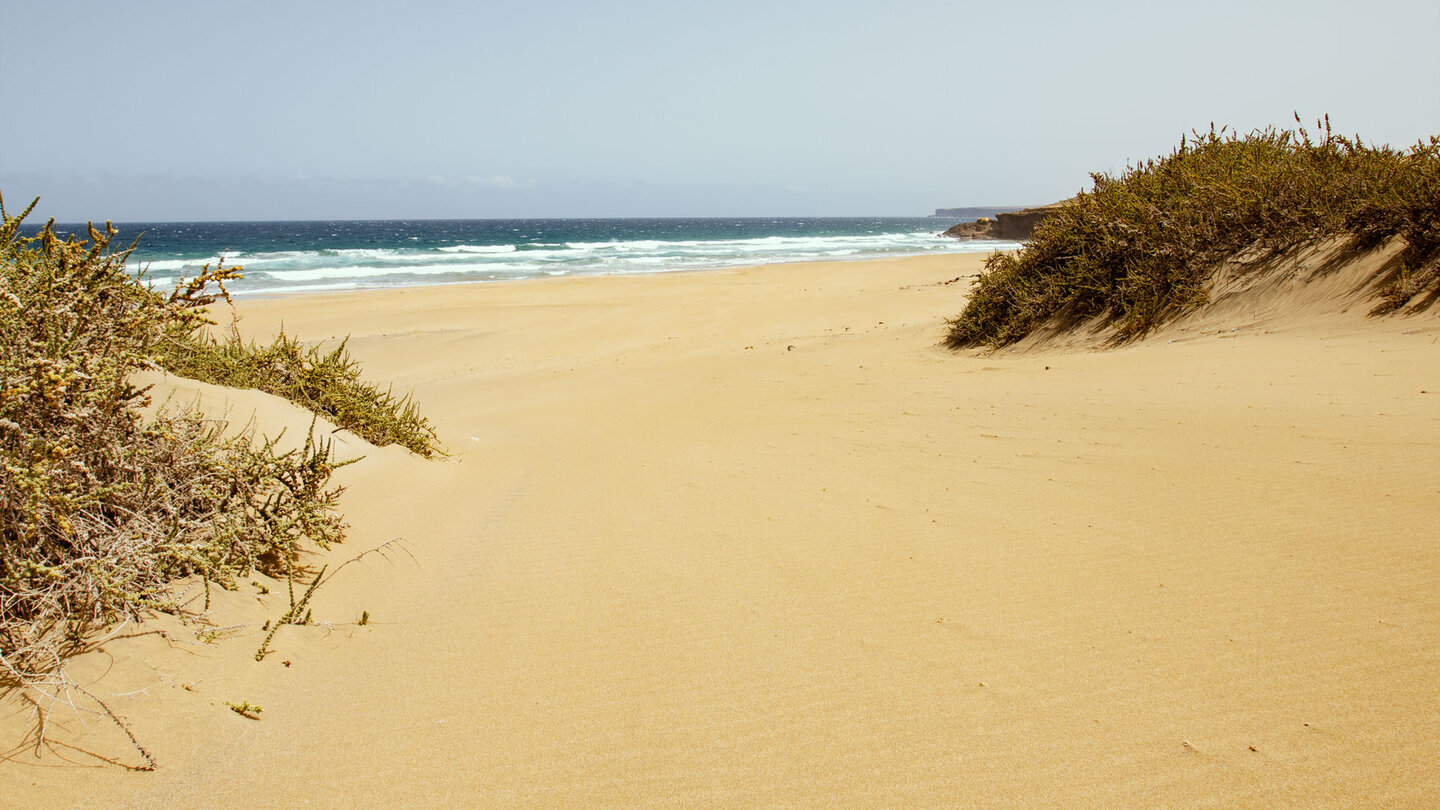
(982, 228)
(1015, 226)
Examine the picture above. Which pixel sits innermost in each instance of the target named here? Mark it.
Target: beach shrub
(101, 510)
(1139, 248)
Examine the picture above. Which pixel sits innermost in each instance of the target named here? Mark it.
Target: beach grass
(326, 382)
(1139, 248)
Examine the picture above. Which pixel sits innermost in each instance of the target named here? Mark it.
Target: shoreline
(400, 289)
(299, 256)
(753, 537)
(1000, 246)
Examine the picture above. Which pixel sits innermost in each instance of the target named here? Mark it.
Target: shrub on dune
(1139, 248)
(102, 510)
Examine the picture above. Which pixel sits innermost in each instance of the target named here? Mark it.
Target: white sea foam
(369, 272)
(280, 256)
(350, 268)
(479, 249)
(166, 265)
(365, 253)
(346, 271)
(294, 288)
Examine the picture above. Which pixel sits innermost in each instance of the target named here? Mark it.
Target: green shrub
(1140, 247)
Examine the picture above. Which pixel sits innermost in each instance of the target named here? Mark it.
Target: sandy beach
(753, 538)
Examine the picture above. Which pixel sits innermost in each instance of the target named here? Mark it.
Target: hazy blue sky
(186, 110)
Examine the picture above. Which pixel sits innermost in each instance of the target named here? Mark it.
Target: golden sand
(752, 538)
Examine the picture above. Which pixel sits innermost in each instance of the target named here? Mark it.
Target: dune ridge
(754, 538)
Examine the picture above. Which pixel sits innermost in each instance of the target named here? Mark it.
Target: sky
(177, 110)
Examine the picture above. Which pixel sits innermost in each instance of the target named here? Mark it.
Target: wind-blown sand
(754, 539)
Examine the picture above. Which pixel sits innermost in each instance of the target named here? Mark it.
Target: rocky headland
(1013, 226)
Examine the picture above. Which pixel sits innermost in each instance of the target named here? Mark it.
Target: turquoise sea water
(293, 257)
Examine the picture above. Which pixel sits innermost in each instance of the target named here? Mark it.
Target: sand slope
(753, 539)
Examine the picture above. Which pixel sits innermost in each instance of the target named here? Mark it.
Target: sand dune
(752, 538)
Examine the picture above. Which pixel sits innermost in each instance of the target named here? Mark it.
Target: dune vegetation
(103, 509)
(1139, 248)
(326, 382)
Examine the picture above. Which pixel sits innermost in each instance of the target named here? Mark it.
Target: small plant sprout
(294, 616)
(246, 709)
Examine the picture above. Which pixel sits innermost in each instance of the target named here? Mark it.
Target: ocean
(299, 257)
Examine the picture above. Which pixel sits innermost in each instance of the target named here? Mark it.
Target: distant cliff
(973, 212)
(1015, 226)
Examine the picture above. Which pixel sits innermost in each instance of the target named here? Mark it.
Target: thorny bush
(101, 510)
